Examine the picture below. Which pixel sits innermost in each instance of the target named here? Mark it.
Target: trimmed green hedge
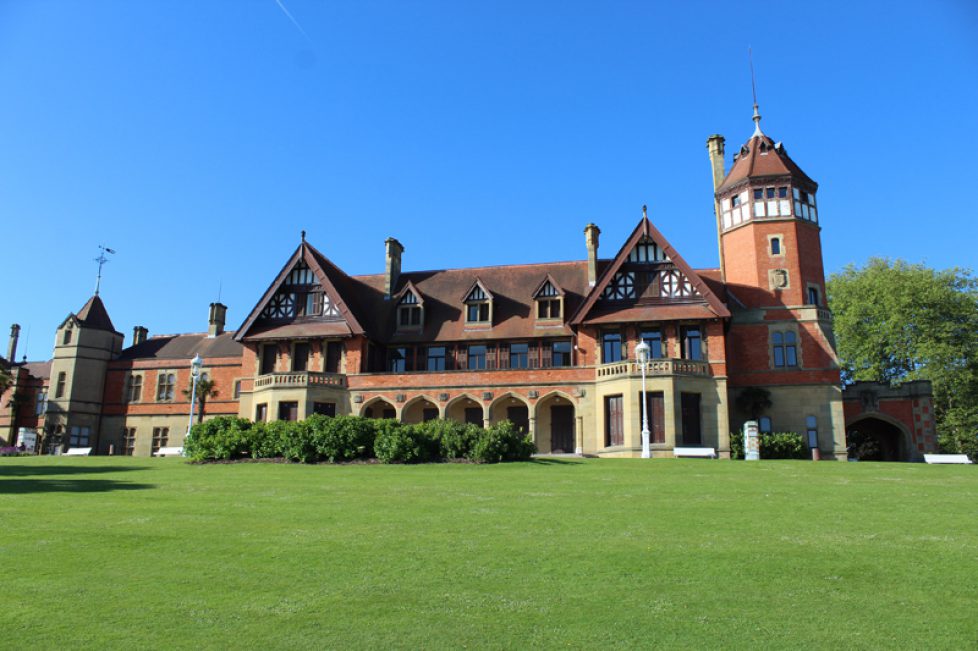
(348, 438)
(775, 445)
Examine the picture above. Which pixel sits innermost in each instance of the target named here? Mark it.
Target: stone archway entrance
(875, 439)
(555, 420)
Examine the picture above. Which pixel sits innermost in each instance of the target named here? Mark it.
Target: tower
(780, 336)
(84, 344)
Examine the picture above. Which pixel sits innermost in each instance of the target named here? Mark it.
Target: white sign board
(752, 441)
(28, 438)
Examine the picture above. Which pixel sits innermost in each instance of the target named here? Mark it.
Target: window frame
(697, 354)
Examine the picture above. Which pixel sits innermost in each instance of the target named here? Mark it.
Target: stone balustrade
(655, 367)
(299, 380)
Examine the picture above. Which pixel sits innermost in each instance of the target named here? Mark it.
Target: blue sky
(199, 138)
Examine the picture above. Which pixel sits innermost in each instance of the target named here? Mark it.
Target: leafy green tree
(6, 379)
(896, 322)
(753, 401)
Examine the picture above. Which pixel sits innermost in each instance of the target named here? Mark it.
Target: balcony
(656, 367)
(301, 380)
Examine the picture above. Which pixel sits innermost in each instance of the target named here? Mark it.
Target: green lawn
(156, 553)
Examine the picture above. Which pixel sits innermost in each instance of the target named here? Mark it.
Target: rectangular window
(324, 408)
(784, 349)
(334, 356)
(128, 440)
(655, 404)
(161, 436)
(548, 309)
(610, 347)
(237, 389)
(300, 357)
(288, 410)
(269, 353)
(653, 338)
(409, 316)
(477, 357)
(134, 390)
(560, 354)
(813, 295)
(811, 429)
(67, 338)
(519, 356)
(165, 386)
(692, 343)
(691, 419)
(59, 391)
(78, 437)
(477, 313)
(42, 402)
(614, 421)
(397, 360)
(261, 412)
(436, 358)
(775, 246)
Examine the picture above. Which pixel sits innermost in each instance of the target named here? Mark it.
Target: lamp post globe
(642, 355)
(195, 365)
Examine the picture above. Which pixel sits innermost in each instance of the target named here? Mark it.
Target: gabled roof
(645, 229)
(543, 283)
(335, 284)
(478, 283)
(761, 157)
(94, 315)
(408, 287)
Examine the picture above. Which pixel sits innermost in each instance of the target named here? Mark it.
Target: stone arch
(376, 406)
(461, 409)
(556, 429)
(418, 409)
(512, 407)
(878, 437)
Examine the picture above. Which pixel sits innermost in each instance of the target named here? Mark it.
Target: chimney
(393, 267)
(714, 144)
(215, 319)
(139, 335)
(591, 233)
(12, 346)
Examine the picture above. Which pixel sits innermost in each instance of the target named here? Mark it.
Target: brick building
(548, 346)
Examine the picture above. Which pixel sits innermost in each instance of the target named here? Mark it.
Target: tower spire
(101, 260)
(753, 90)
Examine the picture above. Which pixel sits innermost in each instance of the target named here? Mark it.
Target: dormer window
(550, 301)
(478, 305)
(409, 311)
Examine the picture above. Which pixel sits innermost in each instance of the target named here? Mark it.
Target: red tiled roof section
(762, 158)
(514, 308)
(647, 313)
(40, 370)
(93, 315)
(185, 347)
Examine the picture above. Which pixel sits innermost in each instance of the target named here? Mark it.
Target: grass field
(156, 553)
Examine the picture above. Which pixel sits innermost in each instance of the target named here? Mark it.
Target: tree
(6, 379)
(206, 388)
(753, 401)
(896, 322)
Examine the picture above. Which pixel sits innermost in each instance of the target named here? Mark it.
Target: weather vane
(101, 260)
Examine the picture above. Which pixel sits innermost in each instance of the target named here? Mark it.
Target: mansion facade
(550, 347)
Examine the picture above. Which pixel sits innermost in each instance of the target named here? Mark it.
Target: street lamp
(195, 365)
(642, 353)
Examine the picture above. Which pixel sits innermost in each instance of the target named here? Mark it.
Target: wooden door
(691, 419)
(561, 428)
(655, 404)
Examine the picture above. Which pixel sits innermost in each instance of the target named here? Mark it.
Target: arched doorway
(378, 408)
(511, 407)
(419, 410)
(465, 409)
(555, 424)
(874, 438)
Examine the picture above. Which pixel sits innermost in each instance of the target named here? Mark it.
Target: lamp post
(642, 353)
(195, 365)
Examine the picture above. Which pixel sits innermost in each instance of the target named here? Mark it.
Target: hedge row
(347, 438)
(776, 445)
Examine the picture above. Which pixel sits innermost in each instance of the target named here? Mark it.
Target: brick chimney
(591, 233)
(12, 346)
(139, 334)
(392, 269)
(215, 320)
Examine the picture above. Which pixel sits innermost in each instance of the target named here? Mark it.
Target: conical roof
(761, 157)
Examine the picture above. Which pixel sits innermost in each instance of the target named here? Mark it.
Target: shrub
(777, 445)
(736, 445)
(9, 451)
(341, 438)
(502, 442)
(454, 440)
(224, 437)
(398, 443)
(268, 440)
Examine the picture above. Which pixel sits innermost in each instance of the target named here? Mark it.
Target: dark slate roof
(184, 347)
(40, 370)
(93, 315)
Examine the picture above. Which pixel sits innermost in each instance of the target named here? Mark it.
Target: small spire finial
(645, 211)
(303, 234)
(753, 90)
(101, 260)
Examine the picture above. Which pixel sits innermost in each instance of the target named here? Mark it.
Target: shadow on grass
(29, 471)
(25, 486)
(555, 461)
